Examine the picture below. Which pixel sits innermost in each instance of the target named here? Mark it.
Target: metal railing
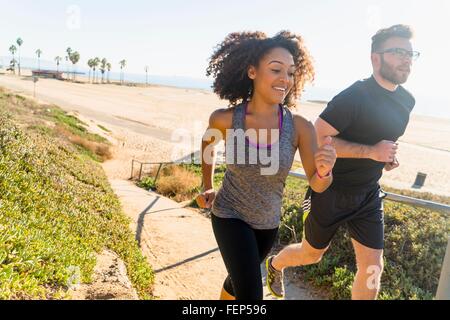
(443, 290)
(142, 164)
(399, 198)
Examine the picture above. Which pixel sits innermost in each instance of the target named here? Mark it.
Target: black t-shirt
(366, 113)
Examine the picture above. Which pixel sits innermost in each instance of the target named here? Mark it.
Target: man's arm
(384, 151)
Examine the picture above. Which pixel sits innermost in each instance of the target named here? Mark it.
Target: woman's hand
(206, 198)
(325, 157)
(392, 165)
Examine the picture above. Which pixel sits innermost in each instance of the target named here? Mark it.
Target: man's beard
(390, 74)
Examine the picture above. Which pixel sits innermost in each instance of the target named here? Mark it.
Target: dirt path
(178, 243)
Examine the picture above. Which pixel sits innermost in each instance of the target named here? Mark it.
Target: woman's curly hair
(230, 62)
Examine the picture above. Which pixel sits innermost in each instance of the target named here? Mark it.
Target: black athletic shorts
(361, 212)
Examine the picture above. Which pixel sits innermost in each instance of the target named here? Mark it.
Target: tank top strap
(238, 116)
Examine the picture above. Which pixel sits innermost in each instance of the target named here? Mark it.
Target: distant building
(48, 74)
(54, 74)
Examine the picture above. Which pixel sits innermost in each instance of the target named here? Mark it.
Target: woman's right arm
(219, 122)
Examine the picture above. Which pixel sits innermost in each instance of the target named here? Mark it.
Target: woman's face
(274, 76)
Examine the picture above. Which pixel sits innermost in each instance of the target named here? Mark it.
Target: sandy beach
(146, 123)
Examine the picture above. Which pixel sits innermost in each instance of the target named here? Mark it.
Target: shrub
(96, 150)
(56, 211)
(147, 183)
(178, 183)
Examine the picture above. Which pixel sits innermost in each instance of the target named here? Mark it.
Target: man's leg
(370, 267)
(294, 255)
(319, 226)
(367, 234)
(321, 220)
(298, 254)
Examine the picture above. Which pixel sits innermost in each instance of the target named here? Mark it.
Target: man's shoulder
(344, 106)
(407, 96)
(356, 90)
(351, 95)
(406, 91)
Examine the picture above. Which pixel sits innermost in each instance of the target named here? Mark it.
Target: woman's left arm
(318, 162)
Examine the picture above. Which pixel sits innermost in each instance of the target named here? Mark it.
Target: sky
(177, 37)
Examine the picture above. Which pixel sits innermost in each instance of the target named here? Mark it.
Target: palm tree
(103, 68)
(69, 52)
(95, 64)
(74, 58)
(58, 60)
(12, 65)
(38, 53)
(108, 66)
(13, 50)
(122, 63)
(146, 75)
(19, 43)
(67, 65)
(89, 63)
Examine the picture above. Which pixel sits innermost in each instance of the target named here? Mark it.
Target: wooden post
(157, 173)
(132, 167)
(140, 173)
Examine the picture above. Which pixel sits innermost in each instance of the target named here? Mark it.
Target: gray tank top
(246, 193)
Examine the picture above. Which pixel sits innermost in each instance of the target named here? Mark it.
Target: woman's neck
(260, 106)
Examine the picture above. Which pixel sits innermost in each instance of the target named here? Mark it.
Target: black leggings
(243, 250)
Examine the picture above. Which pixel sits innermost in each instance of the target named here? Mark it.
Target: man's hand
(325, 157)
(384, 151)
(206, 198)
(392, 165)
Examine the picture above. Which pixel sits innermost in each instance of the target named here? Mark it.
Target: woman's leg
(240, 251)
(227, 292)
(265, 240)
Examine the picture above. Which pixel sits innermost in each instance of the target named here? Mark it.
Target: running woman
(262, 78)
